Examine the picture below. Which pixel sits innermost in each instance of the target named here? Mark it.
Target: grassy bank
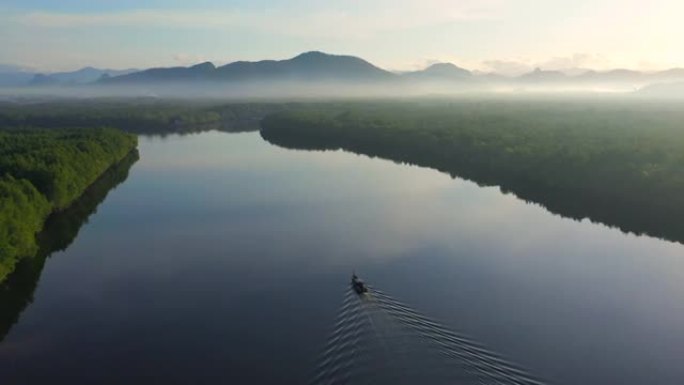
(617, 163)
(45, 171)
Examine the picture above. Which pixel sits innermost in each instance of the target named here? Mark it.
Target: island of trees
(621, 164)
(44, 172)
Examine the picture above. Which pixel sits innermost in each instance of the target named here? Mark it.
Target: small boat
(358, 285)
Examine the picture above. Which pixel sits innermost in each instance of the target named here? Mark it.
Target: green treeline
(59, 231)
(142, 115)
(618, 163)
(45, 171)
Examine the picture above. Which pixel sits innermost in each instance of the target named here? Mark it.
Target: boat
(358, 285)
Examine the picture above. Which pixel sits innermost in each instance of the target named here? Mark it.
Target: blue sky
(490, 35)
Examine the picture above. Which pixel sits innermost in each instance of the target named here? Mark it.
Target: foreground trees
(45, 171)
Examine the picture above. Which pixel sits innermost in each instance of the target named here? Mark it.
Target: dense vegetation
(145, 116)
(620, 163)
(45, 171)
(59, 231)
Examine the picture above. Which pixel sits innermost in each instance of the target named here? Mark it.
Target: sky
(505, 36)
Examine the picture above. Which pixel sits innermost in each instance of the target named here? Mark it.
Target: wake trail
(379, 340)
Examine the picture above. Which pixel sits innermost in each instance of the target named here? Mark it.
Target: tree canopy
(45, 171)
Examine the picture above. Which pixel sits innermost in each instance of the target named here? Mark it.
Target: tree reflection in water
(60, 230)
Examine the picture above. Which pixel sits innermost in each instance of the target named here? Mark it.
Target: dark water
(379, 340)
(223, 259)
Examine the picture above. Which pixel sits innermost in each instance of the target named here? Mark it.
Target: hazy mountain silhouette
(539, 75)
(621, 75)
(307, 66)
(440, 71)
(318, 73)
(11, 75)
(317, 66)
(202, 71)
(310, 66)
(82, 76)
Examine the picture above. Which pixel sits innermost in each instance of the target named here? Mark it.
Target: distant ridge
(316, 66)
(83, 76)
(313, 65)
(309, 66)
(316, 71)
(539, 75)
(154, 75)
(440, 71)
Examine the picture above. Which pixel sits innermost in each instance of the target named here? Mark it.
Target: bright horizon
(504, 36)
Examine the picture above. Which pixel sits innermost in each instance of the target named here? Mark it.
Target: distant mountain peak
(325, 68)
(444, 65)
(308, 66)
(322, 57)
(313, 54)
(204, 66)
(539, 74)
(446, 68)
(440, 71)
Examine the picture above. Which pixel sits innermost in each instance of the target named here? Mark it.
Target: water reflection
(655, 218)
(222, 259)
(60, 230)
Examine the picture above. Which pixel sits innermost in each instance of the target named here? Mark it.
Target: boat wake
(378, 340)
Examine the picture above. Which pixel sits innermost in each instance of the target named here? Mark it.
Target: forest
(140, 116)
(619, 163)
(45, 171)
(59, 231)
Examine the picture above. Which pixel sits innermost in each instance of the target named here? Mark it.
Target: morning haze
(333, 192)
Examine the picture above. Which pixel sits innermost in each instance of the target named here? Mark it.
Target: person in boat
(358, 285)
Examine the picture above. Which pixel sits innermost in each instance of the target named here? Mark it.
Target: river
(224, 259)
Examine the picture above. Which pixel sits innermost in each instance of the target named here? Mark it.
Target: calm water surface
(223, 259)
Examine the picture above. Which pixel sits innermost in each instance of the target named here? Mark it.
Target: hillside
(440, 72)
(620, 164)
(310, 66)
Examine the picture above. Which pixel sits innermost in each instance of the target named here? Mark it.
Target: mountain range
(13, 76)
(318, 67)
(308, 67)
(321, 67)
(83, 76)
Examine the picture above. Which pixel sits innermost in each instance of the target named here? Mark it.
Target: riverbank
(620, 164)
(148, 116)
(45, 171)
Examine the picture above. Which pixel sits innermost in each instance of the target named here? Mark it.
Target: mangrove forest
(45, 171)
(621, 164)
